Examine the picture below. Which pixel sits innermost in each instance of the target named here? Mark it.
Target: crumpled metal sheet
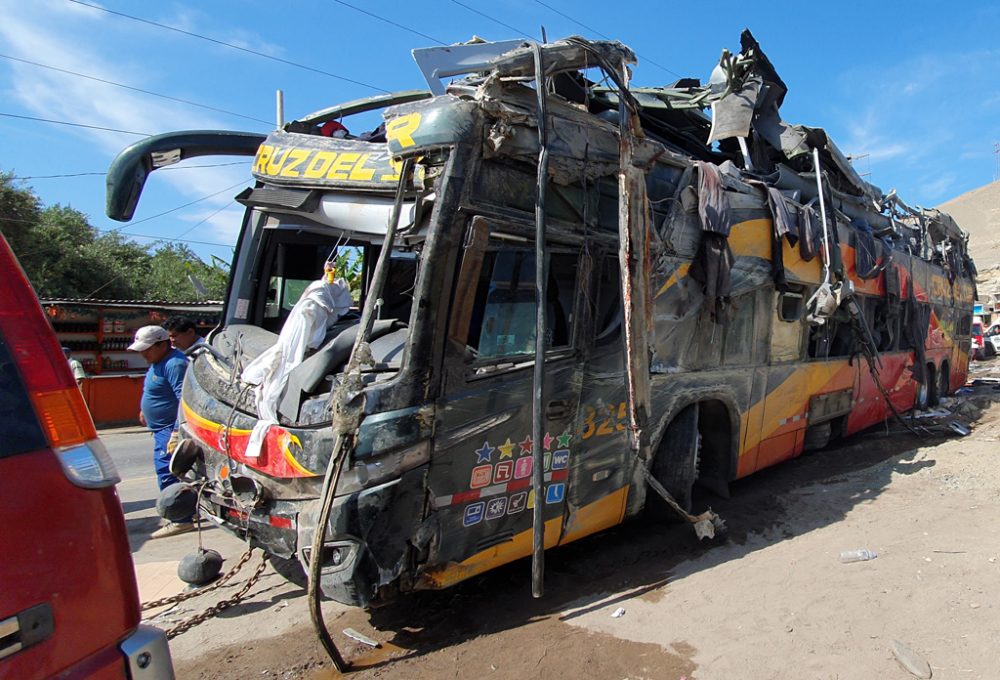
(732, 115)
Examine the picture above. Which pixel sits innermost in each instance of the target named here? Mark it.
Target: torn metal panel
(562, 55)
(731, 116)
(581, 146)
(634, 232)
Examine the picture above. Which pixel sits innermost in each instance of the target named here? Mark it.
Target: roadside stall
(98, 333)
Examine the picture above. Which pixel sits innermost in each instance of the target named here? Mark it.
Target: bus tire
(675, 464)
(944, 379)
(922, 399)
(933, 396)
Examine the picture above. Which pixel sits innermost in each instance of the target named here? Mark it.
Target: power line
(482, 14)
(229, 45)
(104, 232)
(180, 207)
(135, 89)
(64, 122)
(578, 23)
(596, 32)
(390, 22)
(120, 230)
(201, 222)
(164, 238)
(105, 172)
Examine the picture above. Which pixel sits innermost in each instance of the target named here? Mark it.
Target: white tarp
(321, 304)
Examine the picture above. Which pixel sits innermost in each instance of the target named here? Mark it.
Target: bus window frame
(486, 235)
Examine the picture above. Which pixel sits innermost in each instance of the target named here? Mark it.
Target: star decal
(563, 440)
(506, 449)
(526, 446)
(547, 442)
(484, 454)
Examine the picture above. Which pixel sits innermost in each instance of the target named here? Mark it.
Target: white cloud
(195, 21)
(40, 33)
(938, 187)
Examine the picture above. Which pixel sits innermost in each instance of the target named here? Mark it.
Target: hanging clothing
(810, 233)
(712, 267)
(713, 261)
(918, 320)
(713, 204)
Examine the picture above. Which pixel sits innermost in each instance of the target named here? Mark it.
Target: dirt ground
(771, 600)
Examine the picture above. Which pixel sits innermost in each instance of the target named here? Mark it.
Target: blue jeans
(161, 460)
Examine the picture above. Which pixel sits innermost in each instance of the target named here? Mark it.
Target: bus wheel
(945, 378)
(933, 396)
(920, 403)
(675, 465)
(922, 400)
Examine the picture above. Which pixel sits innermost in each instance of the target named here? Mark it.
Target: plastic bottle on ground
(861, 555)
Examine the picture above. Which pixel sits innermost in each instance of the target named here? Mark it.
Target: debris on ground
(861, 555)
(910, 660)
(361, 637)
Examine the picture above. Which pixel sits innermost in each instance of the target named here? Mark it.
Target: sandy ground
(770, 600)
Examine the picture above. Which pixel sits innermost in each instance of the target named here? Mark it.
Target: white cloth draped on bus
(319, 307)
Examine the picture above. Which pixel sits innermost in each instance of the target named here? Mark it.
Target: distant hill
(978, 212)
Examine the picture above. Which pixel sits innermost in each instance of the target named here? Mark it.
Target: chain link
(197, 619)
(180, 597)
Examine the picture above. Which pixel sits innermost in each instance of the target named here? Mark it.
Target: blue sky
(913, 85)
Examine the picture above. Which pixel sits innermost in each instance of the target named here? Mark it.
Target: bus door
(601, 464)
(480, 477)
(786, 394)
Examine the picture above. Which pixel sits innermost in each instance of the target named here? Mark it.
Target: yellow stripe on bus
(591, 518)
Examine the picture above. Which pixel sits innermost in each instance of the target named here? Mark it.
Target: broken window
(503, 315)
(739, 333)
(608, 312)
(791, 303)
(786, 324)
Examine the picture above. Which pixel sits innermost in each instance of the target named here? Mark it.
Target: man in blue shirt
(161, 396)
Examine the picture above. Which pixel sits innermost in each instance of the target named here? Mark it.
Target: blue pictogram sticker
(560, 459)
(473, 514)
(554, 493)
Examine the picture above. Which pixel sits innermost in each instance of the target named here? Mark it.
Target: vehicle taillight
(57, 401)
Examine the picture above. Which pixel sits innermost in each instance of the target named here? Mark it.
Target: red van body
(69, 604)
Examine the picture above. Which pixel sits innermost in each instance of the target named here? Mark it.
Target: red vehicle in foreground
(69, 603)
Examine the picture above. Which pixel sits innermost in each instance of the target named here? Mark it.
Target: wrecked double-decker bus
(719, 293)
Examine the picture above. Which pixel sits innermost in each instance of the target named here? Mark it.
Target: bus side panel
(786, 410)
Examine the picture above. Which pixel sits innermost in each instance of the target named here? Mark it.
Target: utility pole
(996, 160)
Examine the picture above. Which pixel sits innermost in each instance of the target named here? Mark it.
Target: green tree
(20, 210)
(65, 256)
(174, 269)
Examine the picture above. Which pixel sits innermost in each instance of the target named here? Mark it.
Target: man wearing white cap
(161, 395)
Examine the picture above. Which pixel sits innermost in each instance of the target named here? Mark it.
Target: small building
(98, 333)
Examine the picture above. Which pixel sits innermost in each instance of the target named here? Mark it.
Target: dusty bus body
(738, 369)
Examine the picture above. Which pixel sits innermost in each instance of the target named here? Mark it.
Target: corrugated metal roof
(169, 304)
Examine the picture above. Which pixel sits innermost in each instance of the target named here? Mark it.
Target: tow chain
(221, 581)
(197, 619)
